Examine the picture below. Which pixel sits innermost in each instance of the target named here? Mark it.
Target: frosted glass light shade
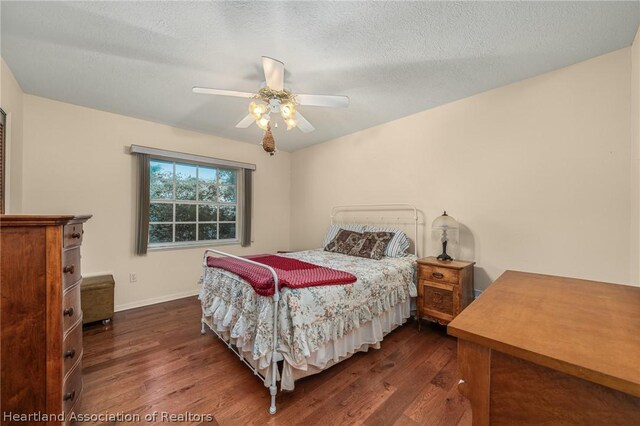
(445, 222)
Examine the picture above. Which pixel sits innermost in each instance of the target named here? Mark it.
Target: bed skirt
(368, 335)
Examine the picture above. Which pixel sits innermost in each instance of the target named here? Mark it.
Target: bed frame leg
(202, 329)
(273, 390)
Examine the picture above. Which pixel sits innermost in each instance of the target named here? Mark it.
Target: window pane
(207, 213)
(161, 180)
(207, 174)
(227, 194)
(185, 182)
(185, 212)
(208, 183)
(227, 177)
(227, 231)
(161, 212)
(160, 233)
(185, 232)
(207, 231)
(227, 213)
(207, 191)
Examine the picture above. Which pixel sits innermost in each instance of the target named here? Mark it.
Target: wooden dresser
(41, 318)
(445, 288)
(539, 349)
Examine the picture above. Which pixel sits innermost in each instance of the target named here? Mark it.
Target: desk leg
(474, 366)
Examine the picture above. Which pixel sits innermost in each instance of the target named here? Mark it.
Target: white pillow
(333, 231)
(399, 244)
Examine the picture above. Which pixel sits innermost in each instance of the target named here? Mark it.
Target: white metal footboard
(273, 389)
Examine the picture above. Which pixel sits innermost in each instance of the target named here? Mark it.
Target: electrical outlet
(133, 278)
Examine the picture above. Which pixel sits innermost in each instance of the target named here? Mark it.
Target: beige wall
(635, 159)
(11, 102)
(538, 172)
(76, 161)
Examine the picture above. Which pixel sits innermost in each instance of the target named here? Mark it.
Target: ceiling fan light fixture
(288, 110)
(263, 122)
(274, 98)
(257, 110)
(291, 123)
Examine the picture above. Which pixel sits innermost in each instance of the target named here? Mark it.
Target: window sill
(199, 244)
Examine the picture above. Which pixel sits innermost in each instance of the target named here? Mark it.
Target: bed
(307, 330)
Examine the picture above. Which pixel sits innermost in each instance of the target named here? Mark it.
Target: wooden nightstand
(444, 289)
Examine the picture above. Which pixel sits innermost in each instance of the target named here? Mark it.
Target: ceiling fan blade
(245, 122)
(331, 101)
(303, 124)
(207, 91)
(273, 73)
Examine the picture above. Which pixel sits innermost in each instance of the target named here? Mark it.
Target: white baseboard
(154, 300)
(476, 293)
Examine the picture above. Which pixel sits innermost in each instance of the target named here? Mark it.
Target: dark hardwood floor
(154, 359)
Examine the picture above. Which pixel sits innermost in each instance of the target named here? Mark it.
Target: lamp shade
(444, 222)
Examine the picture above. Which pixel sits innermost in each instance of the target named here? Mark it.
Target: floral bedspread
(307, 317)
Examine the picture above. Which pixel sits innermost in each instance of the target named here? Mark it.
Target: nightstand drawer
(438, 298)
(438, 274)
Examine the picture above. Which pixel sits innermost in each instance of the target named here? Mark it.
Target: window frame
(173, 201)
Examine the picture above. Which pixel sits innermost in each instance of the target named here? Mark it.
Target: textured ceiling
(392, 59)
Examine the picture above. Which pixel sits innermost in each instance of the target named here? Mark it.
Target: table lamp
(444, 223)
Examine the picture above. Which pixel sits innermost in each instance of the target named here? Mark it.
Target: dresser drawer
(71, 389)
(437, 274)
(71, 307)
(71, 267)
(438, 300)
(72, 347)
(72, 235)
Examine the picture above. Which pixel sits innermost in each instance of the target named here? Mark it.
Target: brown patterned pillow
(366, 244)
(344, 241)
(373, 245)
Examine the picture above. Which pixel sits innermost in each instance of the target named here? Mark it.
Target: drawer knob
(68, 312)
(69, 269)
(70, 353)
(69, 396)
(76, 235)
(437, 275)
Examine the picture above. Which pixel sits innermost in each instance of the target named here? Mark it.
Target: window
(190, 200)
(189, 203)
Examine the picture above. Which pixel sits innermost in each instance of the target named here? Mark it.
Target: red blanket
(291, 272)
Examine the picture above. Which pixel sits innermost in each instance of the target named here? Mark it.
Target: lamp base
(444, 256)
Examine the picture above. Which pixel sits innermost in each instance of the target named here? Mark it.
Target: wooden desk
(538, 348)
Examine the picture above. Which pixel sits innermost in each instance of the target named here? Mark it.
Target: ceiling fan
(274, 98)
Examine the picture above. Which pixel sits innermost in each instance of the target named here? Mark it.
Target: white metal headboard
(335, 210)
